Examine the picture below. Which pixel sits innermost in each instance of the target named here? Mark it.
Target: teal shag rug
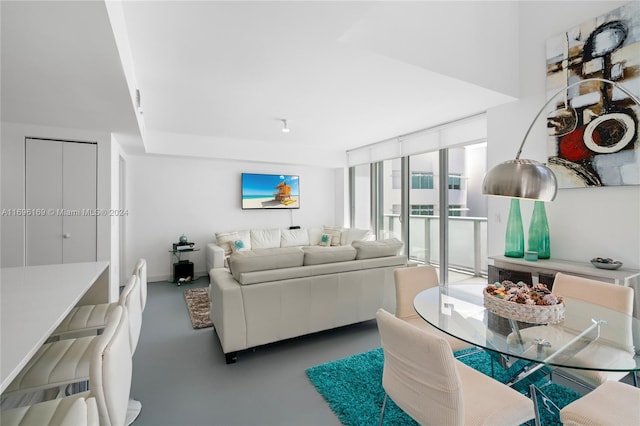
(352, 387)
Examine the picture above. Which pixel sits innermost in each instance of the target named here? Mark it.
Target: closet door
(43, 183)
(61, 179)
(79, 194)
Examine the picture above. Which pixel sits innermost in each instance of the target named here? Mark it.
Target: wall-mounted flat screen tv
(262, 191)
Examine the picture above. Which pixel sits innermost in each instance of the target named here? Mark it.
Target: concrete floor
(181, 377)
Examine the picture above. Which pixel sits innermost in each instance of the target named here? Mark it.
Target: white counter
(33, 302)
(623, 276)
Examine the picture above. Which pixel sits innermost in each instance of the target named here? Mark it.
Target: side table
(182, 269)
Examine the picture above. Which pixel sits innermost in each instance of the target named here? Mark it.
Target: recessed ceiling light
(285, 129)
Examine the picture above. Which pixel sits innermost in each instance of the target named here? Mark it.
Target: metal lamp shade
(517, 178)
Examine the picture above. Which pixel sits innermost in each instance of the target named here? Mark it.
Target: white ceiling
(216, 77)
(60, 67)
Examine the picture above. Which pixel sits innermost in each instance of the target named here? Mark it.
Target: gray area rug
(198, 306)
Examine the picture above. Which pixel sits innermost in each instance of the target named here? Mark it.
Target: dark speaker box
(182, 269)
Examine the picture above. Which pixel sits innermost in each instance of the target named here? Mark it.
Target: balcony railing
(467, 241)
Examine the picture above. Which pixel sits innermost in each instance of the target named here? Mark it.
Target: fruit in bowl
(605, 263)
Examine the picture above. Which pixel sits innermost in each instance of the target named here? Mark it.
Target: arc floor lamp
(530, 179)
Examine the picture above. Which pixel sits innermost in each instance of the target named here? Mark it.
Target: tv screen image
(263, 191)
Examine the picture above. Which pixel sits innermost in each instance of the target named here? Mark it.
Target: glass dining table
(590, 337)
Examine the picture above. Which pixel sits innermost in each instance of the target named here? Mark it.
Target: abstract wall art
(593, 127)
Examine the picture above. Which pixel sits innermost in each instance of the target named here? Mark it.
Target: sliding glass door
(467, 219)
(431, 198)
(389, 199)
(424, 204)
(406, 202)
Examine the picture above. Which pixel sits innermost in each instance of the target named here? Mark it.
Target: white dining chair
(65, 362)
(423, 378)
(140, 270)
(611, 403)
(69, 411)
(90, 319)
(615, 342)
(409, 282)
(109, 385)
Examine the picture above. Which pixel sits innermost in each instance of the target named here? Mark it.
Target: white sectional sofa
(260, 295)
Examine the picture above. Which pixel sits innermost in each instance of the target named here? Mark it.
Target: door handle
(66, 236)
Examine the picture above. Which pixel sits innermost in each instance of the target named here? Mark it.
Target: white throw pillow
(335, 232)
(265, 238)
(325, 240)
(237, 245)
(224, 240)
(294, 237)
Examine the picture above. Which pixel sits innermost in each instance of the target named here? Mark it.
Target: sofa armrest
(227, 310)
(214, 255)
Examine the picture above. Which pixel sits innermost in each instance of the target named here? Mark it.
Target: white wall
(116, 220)
(584, 222)
(169, 196)
(13, 189)
(476, 167)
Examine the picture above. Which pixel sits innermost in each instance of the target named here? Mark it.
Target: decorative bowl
(532, 314)
(606, 263)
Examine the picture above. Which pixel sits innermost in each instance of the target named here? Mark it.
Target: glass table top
(590, 337)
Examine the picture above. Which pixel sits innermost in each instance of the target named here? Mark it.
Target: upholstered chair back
(131, 295)
(140, 270)
(615, 339)
(610, 296)
(409, 282)
(83, 411)
(111, 369)
(420, 373)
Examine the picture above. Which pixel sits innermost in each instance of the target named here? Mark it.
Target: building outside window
(455, 210)
(422, 209)
(421, 180)
(454, 182)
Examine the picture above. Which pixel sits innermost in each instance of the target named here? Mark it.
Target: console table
(35, 299)
(622, 276)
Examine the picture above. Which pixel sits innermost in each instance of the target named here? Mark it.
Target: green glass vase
(514, 238)
(539, 232)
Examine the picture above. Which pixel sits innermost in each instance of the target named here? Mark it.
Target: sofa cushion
(265, 238)
(382, 248)
(356, 265)
(314, 235)
(349, 235)
(256, 277)
(314, 255)
(265, 259)
(294, 237)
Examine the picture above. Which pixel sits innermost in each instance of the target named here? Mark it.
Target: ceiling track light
(285, 129)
